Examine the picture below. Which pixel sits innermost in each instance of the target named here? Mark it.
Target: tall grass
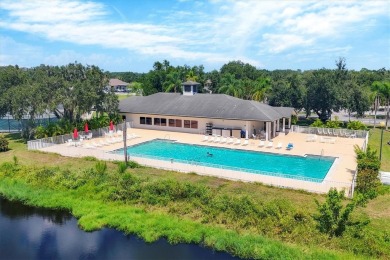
(184, 212)
(95, 214)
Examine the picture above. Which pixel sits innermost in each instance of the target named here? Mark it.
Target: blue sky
(130, 35)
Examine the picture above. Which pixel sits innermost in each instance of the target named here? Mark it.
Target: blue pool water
(310, 168)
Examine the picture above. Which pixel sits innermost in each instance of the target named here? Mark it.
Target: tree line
(67, 91)
(320, 91)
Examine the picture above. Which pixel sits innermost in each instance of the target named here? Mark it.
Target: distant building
(194, 112)
(118, 85)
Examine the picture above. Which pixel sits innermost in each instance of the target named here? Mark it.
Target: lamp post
(380, 149)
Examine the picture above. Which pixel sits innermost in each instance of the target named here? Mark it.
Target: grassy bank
(374, 142)
(245, 219)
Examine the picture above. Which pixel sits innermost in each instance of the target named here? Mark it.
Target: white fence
(61, 139)
(337, 132)
(341, 132)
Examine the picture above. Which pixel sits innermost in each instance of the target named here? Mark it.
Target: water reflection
(33, 233)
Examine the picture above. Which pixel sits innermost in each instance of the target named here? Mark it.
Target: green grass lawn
(374, 141)
(257, 214)
(124, 96)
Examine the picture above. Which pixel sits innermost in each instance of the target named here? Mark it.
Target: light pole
(125, 139)
(380, 149)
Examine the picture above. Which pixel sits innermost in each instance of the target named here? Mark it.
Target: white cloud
(217, 32)
(15, 53)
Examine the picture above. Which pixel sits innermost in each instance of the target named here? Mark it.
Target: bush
(101, 167)
(317, 123)
(356, 125)
(367, 182)
(133, 164)
(122, 167)
(331, 219)
(3, 144)
(333, 123)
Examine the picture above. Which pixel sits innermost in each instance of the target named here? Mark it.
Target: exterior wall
(222, 123)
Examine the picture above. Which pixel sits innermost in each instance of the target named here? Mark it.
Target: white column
(284, 124)
(289, 123)
(246, 130)
(267, 128)
(277, 125)
(274, 130)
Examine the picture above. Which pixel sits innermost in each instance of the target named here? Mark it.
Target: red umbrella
(111, 126)
(86, 128)
(75, 134)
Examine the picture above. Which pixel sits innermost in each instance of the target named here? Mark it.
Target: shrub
(356, 125)
(367, 182)
(122, 167)
(317, 123)
(40, 132)
(16, 160)
(333, 123)
(101, 167)
(3, 144)
(331, 218)
(133, 164)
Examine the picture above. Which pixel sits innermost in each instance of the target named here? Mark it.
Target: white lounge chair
(217, 140)
(237, 142)
(270, 144)
(223, 140)
(230, 140)
(246, 142)
(69, 142)
(261, 143)
(279, 145)
(211, 139)
(205, 138)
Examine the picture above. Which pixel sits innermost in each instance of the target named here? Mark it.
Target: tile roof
(117, 82)
(200, 105)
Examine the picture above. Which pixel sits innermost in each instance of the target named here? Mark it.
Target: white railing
(341, 132)
(317, 185)
(61, 139)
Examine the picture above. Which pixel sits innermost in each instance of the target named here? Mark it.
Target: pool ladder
(322, 153)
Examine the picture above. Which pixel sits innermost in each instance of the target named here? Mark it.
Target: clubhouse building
(213, 114)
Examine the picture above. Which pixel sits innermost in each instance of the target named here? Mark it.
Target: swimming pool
(309, 168)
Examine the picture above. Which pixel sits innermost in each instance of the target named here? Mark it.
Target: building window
(194, 124)
(156, 121)
(148, 120)
(187, 124)
(178, 122)
(171, 122)
(163, 122)
(142, 120)
(187, 88)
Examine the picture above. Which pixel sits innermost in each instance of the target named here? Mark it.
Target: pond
(36, 233)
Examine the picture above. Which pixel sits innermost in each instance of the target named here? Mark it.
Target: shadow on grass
(16, 137)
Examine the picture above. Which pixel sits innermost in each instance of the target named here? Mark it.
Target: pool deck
(339, 176)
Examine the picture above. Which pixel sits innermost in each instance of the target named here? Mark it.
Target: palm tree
(191, 76)
(173, 82)
(262, 89)
(231, 86)
(383, 90)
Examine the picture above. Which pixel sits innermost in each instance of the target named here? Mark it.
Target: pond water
(35, 233)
